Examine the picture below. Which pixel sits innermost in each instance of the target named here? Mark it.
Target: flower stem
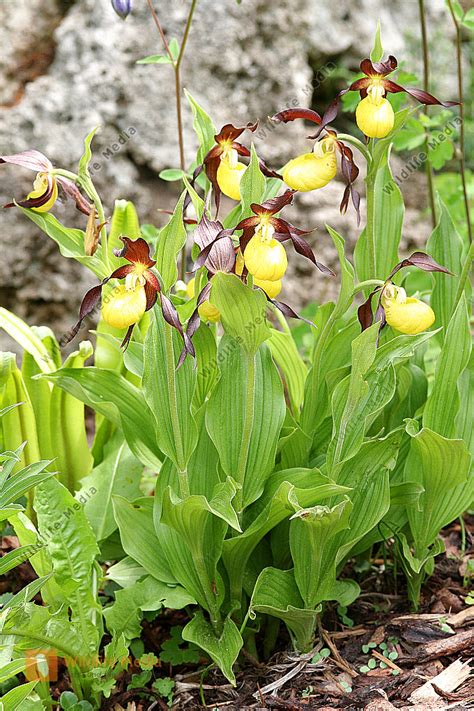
(176, 64)
(247, 429)
(370, 222)
(347, 138)
(462, 147)
(426, 83)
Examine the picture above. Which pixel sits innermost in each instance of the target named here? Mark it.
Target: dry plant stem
(176, 64)
(462, 159)
(426, 82)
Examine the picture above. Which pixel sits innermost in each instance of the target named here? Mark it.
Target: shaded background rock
(69, 66)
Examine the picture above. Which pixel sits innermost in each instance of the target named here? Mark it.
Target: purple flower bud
(123, 8)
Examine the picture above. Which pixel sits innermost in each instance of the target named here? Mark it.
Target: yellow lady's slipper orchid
(311, 171)
(271, 287)
(43, 185)
(404, 313)
(124, 306)
(206, 311)
(374, 114)
(265, 257)
(229, 175)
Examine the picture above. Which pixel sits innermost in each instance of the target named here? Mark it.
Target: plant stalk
(176, 64)
(370, 223)
(465, 273)
(426, 82)
(462, 147)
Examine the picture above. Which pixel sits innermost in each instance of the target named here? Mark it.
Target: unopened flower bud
(123, 8)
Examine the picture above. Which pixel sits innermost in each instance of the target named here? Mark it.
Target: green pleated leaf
(122, 403)
(284, 351)
(223, 646)
(445, 246)
(138, 537)
(13, 558)
(18, 484)
(203, 126)
(118, 474)
(169, 391)
(443, 402)
(171, 240)
(276, 594)
(244, 416)
(314, 390)
(124, 615)
(285, 492)
(441, 467)
(206, 363)
(69, 240)
(252, 186)
(242, 309)
(314, 565)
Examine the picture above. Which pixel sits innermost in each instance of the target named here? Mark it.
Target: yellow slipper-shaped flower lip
(265, 260)
(229, 177)
(309, 172)
(375, 118)
(124, 307)
(404, 313)
(271, 288)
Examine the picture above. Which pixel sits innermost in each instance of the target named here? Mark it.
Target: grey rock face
(243, 62)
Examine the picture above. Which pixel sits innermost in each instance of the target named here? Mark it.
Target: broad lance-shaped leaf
(119, 401)
(72, 547)
(126, 572)
(446, 246)
(68, 431)
(285, 492)
(441, 466)
(252, 185)
(369, 387)
(171, 240)
(138, 536)
(223, 646)
(206, 364)
(70, 241)
(310, 532)
(244, 416)
(193, 541)
(276, 594)
(320, 365)
(291, 364)
(169, 391)
(386, 209)
(242, 309)
(147, 595)
(203, 126)
(29, 340)
(20, 482)
(118, 474)
(443, 401)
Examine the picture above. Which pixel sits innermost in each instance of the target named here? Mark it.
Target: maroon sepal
(371, 69)
(364, 312)
(422, 96)
(41, 199)
(422, 261)
(72, 191)
(350, 172)
(128, 336)
(268, 172)
(302, 247)
(274, 205)
(230, 132)
(88, 305)
(31, 159)
(298, 113)
(171, 316)
(328, 117)
(289, 312)
(136, 251)
(151, 293)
